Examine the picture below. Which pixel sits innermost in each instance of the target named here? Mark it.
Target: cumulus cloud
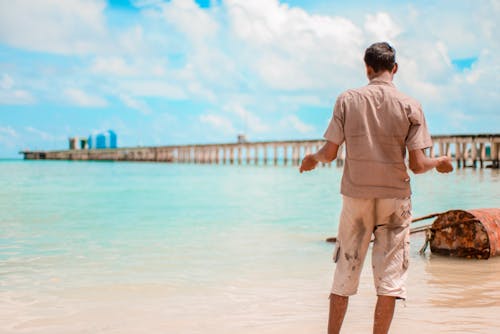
(292, 121)
(8, 131)
(291, 49)
(218, 122)
(197, 24)
(6, 82)
(112, 66)
(381, 27)
(135, 104)
(152, 88)
(10, 95)
(67, 27)
(8, 136)
(83, 99)
(253, 64)
(39, 133)
(250, 121)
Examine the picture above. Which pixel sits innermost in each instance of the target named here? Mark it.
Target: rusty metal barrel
(466, 233)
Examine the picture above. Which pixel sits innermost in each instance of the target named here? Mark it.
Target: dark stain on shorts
(394, 219)
(353, 257)
(360, 227)
(375, 203)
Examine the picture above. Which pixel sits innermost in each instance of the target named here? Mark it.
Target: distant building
(242, 138)
(106, 139)
(73, 143)
(77, 143)
(100, 140)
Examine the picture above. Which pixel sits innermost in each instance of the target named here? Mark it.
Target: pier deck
(467, 150)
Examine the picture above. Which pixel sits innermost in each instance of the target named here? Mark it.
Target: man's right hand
(444, 164)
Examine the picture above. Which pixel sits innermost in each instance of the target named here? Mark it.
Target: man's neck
(382, 76)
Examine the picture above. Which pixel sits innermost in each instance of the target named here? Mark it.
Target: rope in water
(412, 231)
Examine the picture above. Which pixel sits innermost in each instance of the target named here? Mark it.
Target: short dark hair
(380, 56)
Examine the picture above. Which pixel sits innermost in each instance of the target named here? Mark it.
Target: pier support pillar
(285, 155)
(458, 154)
(275, 157)
(264, 156)
(473, 154)
(495, 153)
(295, 154)
(231, 155)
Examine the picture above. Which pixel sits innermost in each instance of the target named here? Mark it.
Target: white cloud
(83, 99)
(293, 50)
(261, 60)
(67, 27)
(39, 133)
(300, 100)
(8, 131)
(152, 88)
(112, 66)
(218, 122)
(292, 121)
(8, 137)
(190, 19)
(135, 104)
(9, 95)
(197, 89)
(381, 27)
(250, 121)
(6, 82)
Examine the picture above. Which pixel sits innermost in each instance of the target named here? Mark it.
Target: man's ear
(369, 71)
(395, 68)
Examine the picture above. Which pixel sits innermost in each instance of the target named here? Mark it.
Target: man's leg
(383, 314)
(338, 307)
(355, 230)
(390, 255)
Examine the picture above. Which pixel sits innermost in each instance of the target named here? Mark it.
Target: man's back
(377, 123)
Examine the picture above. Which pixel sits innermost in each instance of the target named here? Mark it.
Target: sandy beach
(446, 295)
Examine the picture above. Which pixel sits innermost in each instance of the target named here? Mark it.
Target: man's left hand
(308, 163)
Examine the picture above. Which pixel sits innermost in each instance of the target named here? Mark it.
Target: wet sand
(446, 295)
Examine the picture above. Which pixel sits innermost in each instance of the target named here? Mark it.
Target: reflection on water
(456, 282)
(450, 295)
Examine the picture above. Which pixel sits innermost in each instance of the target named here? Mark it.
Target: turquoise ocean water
(178, 248)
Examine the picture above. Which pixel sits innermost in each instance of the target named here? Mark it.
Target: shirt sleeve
(335, 131)
(418, 133)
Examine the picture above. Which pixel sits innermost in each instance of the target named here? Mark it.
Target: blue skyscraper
(102, 140)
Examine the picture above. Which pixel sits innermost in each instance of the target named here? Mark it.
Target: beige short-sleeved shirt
(377, 123)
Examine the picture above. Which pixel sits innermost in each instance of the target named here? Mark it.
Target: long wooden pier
(480, 150)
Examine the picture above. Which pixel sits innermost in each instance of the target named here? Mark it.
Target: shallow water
(91, 247)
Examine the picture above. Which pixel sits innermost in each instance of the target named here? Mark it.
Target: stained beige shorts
(388, 220)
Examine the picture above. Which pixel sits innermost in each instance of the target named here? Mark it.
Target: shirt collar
(381, 81)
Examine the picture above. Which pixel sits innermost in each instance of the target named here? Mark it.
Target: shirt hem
(371, 193)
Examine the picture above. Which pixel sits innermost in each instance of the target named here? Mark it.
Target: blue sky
(184, 71)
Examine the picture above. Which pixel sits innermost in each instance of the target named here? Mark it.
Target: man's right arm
(326, 154)
(420, 163)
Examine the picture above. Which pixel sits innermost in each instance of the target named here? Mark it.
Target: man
(378, 124)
